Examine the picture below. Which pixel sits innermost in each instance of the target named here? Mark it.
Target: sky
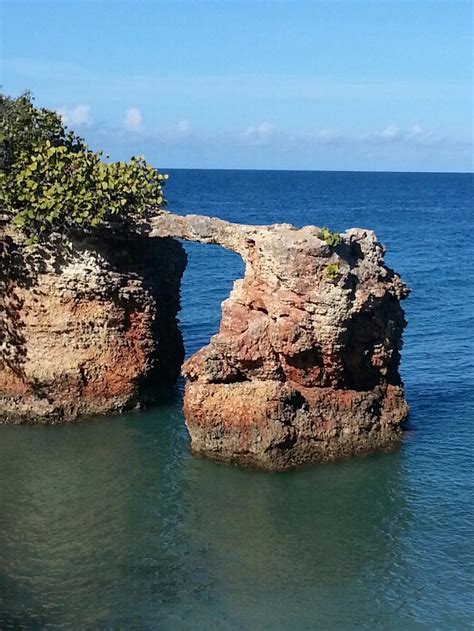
(380, 85)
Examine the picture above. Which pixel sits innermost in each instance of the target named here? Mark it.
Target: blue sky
(349, 85)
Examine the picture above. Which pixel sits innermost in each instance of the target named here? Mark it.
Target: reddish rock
(304, 367)
(89, 333)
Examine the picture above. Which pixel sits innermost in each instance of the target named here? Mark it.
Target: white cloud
(418, 132)
(259, 133)
(78, 115)
(133, 119)
(390, 132)
(176, 133)
(183, 127)
(394, 133)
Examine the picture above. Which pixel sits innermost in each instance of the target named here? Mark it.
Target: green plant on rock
(50, 182)
(332, 271)
(331, 238)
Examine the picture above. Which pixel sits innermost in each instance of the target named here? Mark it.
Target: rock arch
(305, 364)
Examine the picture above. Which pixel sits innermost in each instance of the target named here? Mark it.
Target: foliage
(52, 183)
(56, 190)
(331, 238)
(23, 126)
(332, 271)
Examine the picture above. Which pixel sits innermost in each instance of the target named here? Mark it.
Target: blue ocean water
(112, 524)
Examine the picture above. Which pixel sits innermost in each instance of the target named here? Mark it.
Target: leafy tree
(50, 182)
(23, 126)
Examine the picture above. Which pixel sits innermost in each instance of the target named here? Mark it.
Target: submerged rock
(305, 364)
(88, 332)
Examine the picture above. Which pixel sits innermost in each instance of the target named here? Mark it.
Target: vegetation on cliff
(51, 182)
(332, 238)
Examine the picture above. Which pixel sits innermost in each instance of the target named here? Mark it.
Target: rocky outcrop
(305, 364)
(303, 368)
(89, 331)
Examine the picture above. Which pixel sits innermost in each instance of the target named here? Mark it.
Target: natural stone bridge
(304, 366)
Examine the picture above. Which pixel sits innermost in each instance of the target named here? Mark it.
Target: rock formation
(303, 368)
(90, 332)
(305, 364)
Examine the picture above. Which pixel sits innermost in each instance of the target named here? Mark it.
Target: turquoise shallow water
(112, 524)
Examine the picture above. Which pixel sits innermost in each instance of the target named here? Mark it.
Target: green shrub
(331, 238)
(50, 182)
(332, 271)
(23, 126)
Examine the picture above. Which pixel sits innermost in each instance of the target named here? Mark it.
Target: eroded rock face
(92, 333)
(305, 364)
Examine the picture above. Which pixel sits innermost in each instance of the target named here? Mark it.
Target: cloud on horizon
(263, 145)
(183, 127)
(260, 133)
(133, 120)
(78, 115)
(393, 146)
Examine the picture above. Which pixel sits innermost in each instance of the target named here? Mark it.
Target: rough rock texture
(90, 333)
(303, 368)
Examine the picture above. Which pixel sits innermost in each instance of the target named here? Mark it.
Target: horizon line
(315, 170)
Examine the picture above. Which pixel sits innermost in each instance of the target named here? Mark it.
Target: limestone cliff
(90, 332)
(305, 364)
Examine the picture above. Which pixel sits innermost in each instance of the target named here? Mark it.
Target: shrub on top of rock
(332, 238)
(50, 182)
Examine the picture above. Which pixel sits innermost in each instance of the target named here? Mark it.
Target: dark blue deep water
(112, 524)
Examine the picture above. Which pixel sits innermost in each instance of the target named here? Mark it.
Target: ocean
(112, 524)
